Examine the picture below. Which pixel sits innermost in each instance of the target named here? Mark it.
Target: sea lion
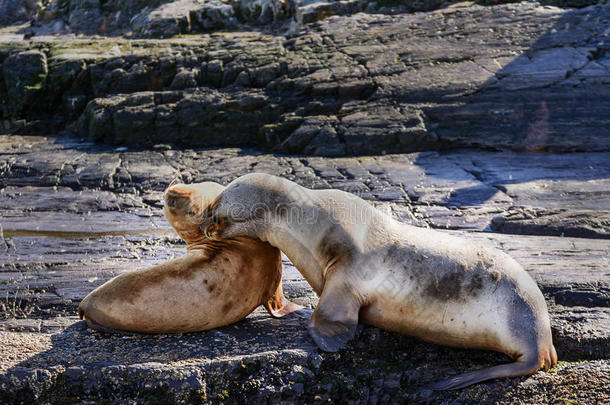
(368, 267)
(212, 285)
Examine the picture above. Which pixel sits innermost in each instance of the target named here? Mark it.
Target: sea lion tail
(523, 366)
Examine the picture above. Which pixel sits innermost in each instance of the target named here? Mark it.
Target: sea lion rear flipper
(518, 368)
(335, 320)
(287, 307)
(278, 305)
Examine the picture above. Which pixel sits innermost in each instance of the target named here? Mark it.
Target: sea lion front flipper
(278, 305)
(335, 320)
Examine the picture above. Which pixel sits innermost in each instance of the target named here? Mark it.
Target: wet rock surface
(521, 77)
(76, 214)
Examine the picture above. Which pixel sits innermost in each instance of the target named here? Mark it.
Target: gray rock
(17, 11)
(76, 214)
(414, 82)
(582, 224)
(214, 15)
(25, 74)
(185, 16)
(263, 11)
(214, 117)
(308, 11)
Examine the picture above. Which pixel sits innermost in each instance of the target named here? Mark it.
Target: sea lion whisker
(172, 183)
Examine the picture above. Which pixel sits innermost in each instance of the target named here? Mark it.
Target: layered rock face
(513, 77)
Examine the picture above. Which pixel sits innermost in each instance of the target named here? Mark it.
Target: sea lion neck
(194, 240)
(206, 244)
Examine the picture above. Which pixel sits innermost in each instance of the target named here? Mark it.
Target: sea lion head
(246, 207)
(184, 206)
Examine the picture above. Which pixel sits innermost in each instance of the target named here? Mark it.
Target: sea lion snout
(179, 199)
(182, 200)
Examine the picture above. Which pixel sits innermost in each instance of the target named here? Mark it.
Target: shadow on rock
(550, 98)
(82, 363)
(258, 359)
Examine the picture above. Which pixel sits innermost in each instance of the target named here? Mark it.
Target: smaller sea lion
(212, 285)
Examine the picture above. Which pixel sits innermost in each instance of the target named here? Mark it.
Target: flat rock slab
(262, 359)
(76, 214)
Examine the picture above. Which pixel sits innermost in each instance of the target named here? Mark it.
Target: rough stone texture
(519, 77)
(585, 224)
(131, 17)
(24, 75)
(75, 214)
(18, 11)
(187, 16)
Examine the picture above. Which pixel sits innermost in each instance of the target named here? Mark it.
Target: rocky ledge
(76, 213)
(521, 77)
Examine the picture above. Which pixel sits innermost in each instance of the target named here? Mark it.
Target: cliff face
(519, 77)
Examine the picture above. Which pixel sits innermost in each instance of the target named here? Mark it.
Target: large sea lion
(367, 266)
(212, 285)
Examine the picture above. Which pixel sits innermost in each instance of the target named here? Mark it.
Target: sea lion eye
(171, 202)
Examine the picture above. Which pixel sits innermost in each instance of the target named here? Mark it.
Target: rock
(383, 128)
(168, 20)
(263, 11)
(577, 332)
(308, 131)
(214, 117)
(17, 11)
(185, 16)
(86, 17)
(580, 224)
(414, 82)
(214, 16)
(25, 74)
(308, 11)
(77, 213)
